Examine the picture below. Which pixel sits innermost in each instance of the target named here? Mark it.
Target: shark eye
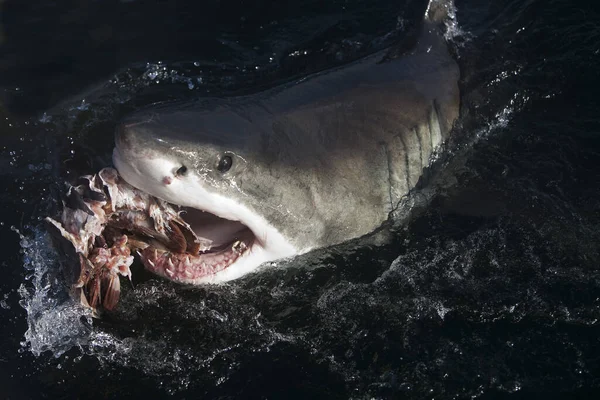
(224, 164)
(181, 171)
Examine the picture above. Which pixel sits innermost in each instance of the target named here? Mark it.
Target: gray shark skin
(311, 164)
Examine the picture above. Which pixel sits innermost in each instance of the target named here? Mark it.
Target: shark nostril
(182, 171)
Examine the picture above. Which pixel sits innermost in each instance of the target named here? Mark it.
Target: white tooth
(187, 262)
(238, 247)
(170, 272)
(170, 264)
(188, 274)
(151, 263)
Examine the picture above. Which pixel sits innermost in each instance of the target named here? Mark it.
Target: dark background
(491, 291)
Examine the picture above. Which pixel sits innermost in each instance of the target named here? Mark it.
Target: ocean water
(490, 290)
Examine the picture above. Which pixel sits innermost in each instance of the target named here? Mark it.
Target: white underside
(147, 174)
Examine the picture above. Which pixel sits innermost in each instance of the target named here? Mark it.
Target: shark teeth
(238, 247)
(170, 268)
(185, 267)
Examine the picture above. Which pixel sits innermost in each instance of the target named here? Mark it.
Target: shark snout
(144, 155)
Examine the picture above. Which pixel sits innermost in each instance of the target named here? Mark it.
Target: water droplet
(83, 106)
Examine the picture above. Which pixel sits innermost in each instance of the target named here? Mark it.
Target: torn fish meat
(104, 223)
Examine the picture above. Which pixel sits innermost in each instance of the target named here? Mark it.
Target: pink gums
(188, 268)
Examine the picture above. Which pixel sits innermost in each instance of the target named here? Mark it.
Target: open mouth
(197, 249)
(183, 244)
(105, 221)
(221, 239)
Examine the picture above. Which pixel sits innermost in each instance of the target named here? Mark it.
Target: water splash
(55, 322)
(161, 73)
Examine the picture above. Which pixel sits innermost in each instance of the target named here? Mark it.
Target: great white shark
(297, 167)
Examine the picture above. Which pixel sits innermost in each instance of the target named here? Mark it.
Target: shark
(301, 166)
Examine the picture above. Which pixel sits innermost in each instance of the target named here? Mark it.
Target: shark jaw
(241, 239)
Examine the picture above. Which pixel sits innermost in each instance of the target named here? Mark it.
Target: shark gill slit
(420, 146)
(430, 131)
(388, 157)
(406, 161)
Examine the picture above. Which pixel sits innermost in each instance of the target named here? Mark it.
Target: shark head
(300, 166)
(200, 161)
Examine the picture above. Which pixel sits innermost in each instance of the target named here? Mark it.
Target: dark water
(492, 290)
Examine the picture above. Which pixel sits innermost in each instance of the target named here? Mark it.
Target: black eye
(225, 164)
(181, 171)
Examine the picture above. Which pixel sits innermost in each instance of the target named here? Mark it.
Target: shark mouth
(206, 245)
(106, 221)
(224, 239)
